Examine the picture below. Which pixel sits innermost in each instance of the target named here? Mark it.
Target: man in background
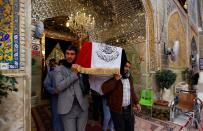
(50, 87)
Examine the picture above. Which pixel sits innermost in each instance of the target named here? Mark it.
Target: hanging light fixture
(185, 6)
(81, 23)
(67, 24)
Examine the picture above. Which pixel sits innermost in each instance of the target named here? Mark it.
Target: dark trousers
(97, 106)
(56, 119)
(123, 121)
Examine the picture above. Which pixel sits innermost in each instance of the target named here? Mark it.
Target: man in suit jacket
(72, 103)
(122, 100)
(50, 86)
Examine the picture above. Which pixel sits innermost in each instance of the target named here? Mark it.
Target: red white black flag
(99, 58)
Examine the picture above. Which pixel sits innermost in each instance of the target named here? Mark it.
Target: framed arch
(129, 24)
(150, 37)
(176, 31)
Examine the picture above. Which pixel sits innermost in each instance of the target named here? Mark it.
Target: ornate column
(15, 109)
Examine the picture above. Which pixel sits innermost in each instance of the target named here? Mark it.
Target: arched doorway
(128, 24)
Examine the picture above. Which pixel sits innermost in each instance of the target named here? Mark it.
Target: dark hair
(71, 47)
(52, 60)
(128, 62)
(60, 62)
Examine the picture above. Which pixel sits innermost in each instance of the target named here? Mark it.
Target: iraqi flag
(100, 58)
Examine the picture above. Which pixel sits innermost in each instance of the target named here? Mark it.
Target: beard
(126, 75)
(67, 64)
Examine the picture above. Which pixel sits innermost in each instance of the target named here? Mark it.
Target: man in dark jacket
(50, 86)
(122, 99)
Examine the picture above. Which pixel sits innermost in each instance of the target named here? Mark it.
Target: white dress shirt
(126, 92)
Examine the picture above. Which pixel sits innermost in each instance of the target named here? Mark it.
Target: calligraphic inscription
(107, 53)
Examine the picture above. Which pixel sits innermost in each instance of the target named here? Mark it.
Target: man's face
(53, 64)
(127, 67)
(70, 56)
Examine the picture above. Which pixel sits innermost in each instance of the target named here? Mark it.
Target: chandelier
(115, 21)
(81, 23)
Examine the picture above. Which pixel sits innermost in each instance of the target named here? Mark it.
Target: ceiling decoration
(80, 23)
(115, 21)
(56, 23)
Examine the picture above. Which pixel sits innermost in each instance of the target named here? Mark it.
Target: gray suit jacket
(67, 83)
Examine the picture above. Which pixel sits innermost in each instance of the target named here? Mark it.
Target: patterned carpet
(146, 123)
(41, 117)
(41, 120)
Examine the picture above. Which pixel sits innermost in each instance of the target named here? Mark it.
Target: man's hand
(90, 99)
(117, 76)
(75, 67)
(56, 92)
(137, 108)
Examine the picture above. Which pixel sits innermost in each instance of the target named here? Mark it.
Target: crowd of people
(69, 97)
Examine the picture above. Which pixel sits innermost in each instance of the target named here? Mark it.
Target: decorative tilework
(9, 33)
(170, 7)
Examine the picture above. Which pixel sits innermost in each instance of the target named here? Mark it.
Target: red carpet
(93, 126)
(42, 119)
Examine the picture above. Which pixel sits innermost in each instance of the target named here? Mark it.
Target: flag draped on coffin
(101, 61)
(100, 58)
